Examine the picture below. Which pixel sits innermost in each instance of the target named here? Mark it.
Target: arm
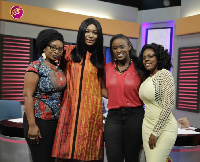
(165, 82)
(30, 84)
(104, 93)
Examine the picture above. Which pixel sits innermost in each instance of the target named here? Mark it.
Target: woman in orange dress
(79, 134)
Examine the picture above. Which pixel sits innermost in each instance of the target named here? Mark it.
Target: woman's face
(120, 49)
(150, 60)
(91, 35)
(54, 51)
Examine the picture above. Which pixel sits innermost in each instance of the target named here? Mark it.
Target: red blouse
(122, 88)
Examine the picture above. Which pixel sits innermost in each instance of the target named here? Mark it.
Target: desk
(13, 146)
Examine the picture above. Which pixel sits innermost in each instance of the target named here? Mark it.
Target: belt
(125, 108)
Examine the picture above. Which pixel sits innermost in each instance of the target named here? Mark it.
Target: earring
(44, 56)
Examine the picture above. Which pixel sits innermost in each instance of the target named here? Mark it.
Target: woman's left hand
(152, 141)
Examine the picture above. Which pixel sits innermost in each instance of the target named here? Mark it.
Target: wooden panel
(188, 25)
(64, 20)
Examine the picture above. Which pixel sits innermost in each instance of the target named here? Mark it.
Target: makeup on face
(150, 60)
(120, 48)
(54, 51)
(91, 35)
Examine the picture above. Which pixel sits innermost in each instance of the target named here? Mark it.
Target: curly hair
(162, 55)
(132, 52)
(45, 37)
(97, 58)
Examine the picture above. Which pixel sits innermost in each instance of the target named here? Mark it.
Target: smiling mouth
(147, 64)
(119, 55)
(90, 40)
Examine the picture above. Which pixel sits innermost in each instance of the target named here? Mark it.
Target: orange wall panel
(64, 20)
(188, 25)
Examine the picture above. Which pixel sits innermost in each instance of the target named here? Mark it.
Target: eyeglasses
(53, 48)
(149, 56)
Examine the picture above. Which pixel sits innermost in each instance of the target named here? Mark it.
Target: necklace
(122, 71)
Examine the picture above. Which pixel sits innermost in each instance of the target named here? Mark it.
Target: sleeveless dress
(158, 94)
(79, 132)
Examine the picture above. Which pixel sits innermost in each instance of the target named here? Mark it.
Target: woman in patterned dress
(79, 134)
(159, 129)
(43, 84)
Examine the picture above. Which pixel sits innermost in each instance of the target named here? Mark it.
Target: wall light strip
(187, 101)
(190, 77)
(188, 73)
(189, 60)
(14, 69)
(188, 87)
(192, 63)
(17, 76)
(9, 83)
(188, 98)
(183, 94)
(19, 54)
(188, 70)
(11, 46)
(25, 40)
(189, 53)
(187, 91)
(190, 49)
(9, 42)
(13, 80)
(188, 80)
(184, 107)
(16, 50)
(17, 61)
(15, 65)
(18, 87)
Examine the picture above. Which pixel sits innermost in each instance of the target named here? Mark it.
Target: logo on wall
(16, 12)
(169, 159)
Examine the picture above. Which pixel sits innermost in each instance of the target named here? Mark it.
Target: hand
(152, 141)
(34, 134)
(183, 122)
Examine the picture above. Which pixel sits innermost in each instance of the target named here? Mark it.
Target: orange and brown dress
(79, 132)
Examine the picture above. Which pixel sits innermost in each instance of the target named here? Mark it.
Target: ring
(32, 138)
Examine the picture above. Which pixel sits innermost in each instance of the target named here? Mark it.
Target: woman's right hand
(34, 134)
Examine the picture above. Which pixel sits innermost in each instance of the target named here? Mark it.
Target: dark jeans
(41, 152)
(123, 134)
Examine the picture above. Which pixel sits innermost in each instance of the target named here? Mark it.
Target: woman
(123, 127)
(159, 129)
(80, 125)
(43, 84)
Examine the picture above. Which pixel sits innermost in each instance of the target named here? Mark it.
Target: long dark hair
(97, 57)
(132, 52)
(162, 55)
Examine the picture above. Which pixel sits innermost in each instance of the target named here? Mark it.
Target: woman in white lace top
(160, 128)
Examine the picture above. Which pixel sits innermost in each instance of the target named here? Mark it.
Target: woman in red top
(123, 127)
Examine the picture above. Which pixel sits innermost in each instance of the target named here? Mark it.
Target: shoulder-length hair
(132, 52)
(97, 57)
(162, 55)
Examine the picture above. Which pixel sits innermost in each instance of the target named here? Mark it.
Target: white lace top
(164, 97)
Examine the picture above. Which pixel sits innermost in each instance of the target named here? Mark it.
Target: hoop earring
(44, 56)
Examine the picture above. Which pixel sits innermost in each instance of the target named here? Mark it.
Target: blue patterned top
(47, 97)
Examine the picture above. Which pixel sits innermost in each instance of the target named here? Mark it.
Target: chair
(10, 109)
